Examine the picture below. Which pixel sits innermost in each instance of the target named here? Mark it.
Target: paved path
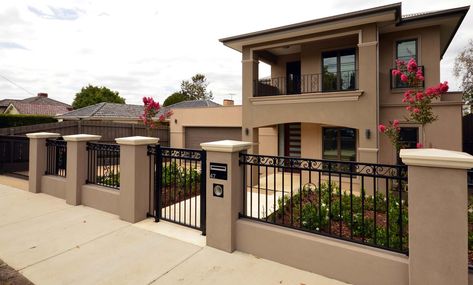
(50, 242)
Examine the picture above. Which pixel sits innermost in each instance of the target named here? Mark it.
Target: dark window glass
(405, 50)
(408, 138)
(339, 70)
(339, 144)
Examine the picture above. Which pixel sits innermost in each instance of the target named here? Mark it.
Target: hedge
(9, 120)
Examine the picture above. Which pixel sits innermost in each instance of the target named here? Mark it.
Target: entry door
(292, 140)
(293, 77)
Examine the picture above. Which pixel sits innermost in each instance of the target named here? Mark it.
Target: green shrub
(173, 174)
(109, 180)
(315, 215)
(10, 121)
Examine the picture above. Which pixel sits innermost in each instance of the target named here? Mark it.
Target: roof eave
(396, 7)
(461, 11)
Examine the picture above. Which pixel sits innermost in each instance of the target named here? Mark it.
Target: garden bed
(354, 220)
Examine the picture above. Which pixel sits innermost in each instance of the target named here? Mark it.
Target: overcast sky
(145, 48)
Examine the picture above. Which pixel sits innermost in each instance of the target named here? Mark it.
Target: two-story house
(331, 83)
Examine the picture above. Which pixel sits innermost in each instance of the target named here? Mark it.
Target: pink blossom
(382, 128)
(419, 145)
(443, 87)
(416, 110)
(395, 72)
(408, 108)
(412, 100)
(419, 96)
(420, 77)
(396, 123)
(412, 65)
(404, 78)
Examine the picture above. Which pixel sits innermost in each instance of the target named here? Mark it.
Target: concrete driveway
(50, 242)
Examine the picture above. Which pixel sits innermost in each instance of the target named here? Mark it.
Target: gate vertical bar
(203, 187)
(158, 160)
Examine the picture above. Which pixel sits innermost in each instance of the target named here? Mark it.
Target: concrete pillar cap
(81, 138)
(137, 140)
(432, 157)
(226, 146)
(42, 135)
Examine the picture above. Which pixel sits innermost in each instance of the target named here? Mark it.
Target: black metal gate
(14, 155)
(178, 188)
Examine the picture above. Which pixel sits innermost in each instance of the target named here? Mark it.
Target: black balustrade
(56, 157)
(360, 202)
(103, 166)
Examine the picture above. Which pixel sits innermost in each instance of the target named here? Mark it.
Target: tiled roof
(114, 110)
(39, 109)
(104, 109)
(6, 102)
(45, 101)
(189, 104)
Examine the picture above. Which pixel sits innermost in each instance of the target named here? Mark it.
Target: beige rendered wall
(428, 42)
(101, 198)
(228, 116)
(54, 186)
(445, 133)
(343, 261)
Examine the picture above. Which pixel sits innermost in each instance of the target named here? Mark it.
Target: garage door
(197, 135)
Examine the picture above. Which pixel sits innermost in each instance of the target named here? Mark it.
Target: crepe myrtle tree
(151, 109)
(418, 100)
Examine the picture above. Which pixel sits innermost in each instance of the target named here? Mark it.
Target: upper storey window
(406, 50)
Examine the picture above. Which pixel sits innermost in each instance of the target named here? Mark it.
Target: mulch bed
(9, 276)
(172, 195)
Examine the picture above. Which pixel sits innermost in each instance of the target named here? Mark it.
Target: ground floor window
(408, 138)
(339, 144)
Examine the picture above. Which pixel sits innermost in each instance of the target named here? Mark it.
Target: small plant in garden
(151, 109)
(418, 100)
(354, 214)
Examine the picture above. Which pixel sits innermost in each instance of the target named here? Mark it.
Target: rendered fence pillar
(37, 158)
(222, 212)
(134, 177)
(76, 166)
(437, 198)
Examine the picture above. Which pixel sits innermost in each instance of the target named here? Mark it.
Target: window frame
(339, 142)
(396, 82)
(338, 53)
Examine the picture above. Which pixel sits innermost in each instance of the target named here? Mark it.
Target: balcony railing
(307, 83)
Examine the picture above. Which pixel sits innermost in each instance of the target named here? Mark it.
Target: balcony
(307, 83)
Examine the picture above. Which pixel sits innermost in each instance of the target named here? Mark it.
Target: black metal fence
(14, 155)
(178, 193)
(306, 83)
(359, 202)
(103, 166)
(56, 157)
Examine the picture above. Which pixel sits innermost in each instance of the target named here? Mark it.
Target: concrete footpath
(50, 242)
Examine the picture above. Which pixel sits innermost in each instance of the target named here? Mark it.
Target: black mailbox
(218, 171)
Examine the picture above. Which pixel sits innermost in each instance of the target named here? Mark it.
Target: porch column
(368, 116)
(37, 158)
(249, 77)
(134, 177)
(223, 207)
(438, 224)
(76, 165)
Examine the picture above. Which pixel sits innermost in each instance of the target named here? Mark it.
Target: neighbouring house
(331, 83)
(125, 113)
(39, 105)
